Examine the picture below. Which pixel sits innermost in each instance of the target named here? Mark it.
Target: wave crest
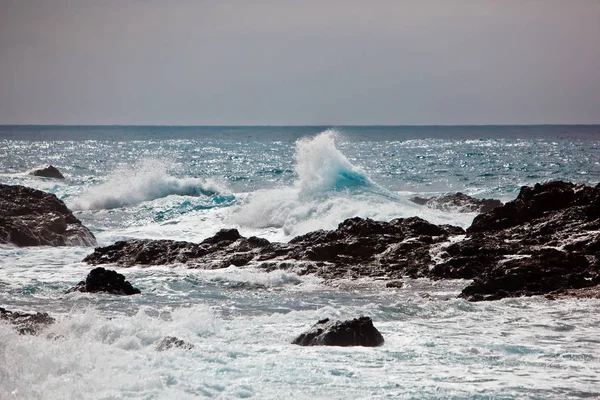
(321, 167)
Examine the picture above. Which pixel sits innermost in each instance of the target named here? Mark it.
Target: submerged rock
(458, 202)
(105, 281)
(26, 323)
(171, 341)
(30, 217)
(48, 172)
(356, 332)
(394, 284)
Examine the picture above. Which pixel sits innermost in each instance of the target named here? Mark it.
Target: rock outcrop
(101, 280)
(30, 217)
(547, 239)
(26, 323)
(357, 248)
(458, 202)
(356, 332)
(48, 172)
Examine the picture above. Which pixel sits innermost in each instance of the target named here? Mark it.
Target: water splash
(147, 180)
(329, 189)
(321, 167)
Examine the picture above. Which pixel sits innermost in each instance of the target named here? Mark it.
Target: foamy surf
(147, 180)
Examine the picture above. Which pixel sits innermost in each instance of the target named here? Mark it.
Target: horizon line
(295, 125)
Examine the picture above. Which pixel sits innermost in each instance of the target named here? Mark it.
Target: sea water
(186, 183)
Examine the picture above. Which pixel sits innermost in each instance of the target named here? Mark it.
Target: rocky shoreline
(545, 242)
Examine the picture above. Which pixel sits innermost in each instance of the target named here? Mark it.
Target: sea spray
(148, 179)
(321, 167)
(328, 189)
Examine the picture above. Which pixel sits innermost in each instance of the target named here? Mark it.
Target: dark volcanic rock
(357, 248)
(26, 323)
(105, 281)
(356, 332)
(48, 172)
(226, 248)
(532, 203)
(546, 240)
(30, 217)
(171, 341)
(458, 202)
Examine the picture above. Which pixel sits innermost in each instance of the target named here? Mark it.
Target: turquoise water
(278, 182)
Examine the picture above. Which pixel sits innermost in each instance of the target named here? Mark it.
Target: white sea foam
(517, 348)
(147, 180)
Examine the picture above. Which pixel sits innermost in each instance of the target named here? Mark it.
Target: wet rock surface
(49, 171)
(30, 217)
(356, 332)
(171, 342)
(357, 248)
(458, 202)
(546, 240)
(26, 323)
(101, 280)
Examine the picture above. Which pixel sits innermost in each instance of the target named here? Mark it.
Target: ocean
(186, 183)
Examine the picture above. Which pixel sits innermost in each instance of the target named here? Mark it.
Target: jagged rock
(458, 202)
(357, 248)
(48, 172)
(356, 332)
(171, 341)
(105, 281)
(26, 323)
(30, 217)
(532, 203)
(546, 240)
(226, 248)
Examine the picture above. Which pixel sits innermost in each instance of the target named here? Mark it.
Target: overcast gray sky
(333, 62)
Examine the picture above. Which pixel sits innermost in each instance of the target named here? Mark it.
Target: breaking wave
(147, 180)
(328, 189)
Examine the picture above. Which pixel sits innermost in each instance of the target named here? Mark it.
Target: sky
(299, 62)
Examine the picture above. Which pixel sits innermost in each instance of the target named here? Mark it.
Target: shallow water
(186, 184)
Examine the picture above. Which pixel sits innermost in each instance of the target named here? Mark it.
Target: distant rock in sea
(49, 171)
(30, 217)
(101, 280)
(356, 332)
(26, 323)
(458, 202)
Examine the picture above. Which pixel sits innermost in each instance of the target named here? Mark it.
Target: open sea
(186, 183)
